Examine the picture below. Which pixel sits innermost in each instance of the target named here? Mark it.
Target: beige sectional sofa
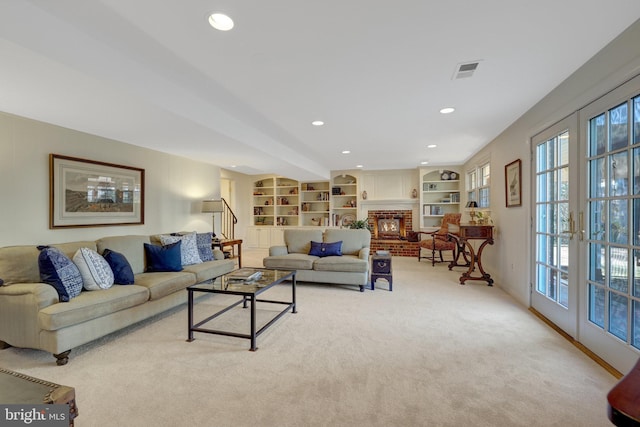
(31, 315)
(349, 268)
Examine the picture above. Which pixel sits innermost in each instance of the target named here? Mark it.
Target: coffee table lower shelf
(249, 293)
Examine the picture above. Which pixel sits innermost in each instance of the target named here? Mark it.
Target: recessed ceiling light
(447, 110)
(431, 146)
(220, 21)
(346, 152)
(359, 166)
(317, 123)
(426, 162)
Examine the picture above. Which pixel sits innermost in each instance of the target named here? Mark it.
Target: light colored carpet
(430, 353)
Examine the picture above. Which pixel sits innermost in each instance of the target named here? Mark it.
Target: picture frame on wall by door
(513, 183)
(89, 193)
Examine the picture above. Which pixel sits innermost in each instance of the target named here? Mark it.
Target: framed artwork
(513, 183)
(88, 193)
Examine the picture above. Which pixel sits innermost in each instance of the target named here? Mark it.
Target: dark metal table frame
(472, 232)
(248, 292)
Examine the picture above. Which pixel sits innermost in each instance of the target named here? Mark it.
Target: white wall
(508, 261)
(174, 186)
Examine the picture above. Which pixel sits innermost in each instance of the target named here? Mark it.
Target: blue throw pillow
(163, 258)
(57, 270)
(122, 272)
(326, 249)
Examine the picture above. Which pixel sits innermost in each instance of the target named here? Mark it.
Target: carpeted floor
(430, 353)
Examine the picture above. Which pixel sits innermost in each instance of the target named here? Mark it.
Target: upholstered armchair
(439, 241)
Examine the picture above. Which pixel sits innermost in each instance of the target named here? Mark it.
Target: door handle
(581, 225)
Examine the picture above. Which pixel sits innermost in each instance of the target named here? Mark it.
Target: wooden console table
(624, 399)
(466, 233)
(230, 243)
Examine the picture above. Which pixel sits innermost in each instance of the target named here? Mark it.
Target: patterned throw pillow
(122, 271)
(95, 270)
(203, 240)
(189, 249)
(59, 271)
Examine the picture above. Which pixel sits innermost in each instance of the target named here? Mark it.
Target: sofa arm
(278, 250)
(20, 304)
(364, 253)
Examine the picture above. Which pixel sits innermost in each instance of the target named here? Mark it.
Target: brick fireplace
(389, 232)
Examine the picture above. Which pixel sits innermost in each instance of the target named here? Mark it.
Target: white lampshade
(212, 206)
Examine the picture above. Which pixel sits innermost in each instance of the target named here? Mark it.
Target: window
(478, 181)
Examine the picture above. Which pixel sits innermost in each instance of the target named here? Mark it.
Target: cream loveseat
(349, 268)
(32, 316)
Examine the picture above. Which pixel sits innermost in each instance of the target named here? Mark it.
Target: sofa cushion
(299, 241)
(95, 271)
(122, 272)
(211, 269)
(132, 247)
(91, 305)
(290, 262)
(352, 240)
(161, 284)
(163, 258)
(19, 264)
(345, 263)
(57, 270)
(188, 249)
(323, 249)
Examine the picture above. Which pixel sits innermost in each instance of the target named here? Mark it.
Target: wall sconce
(212, 206)
(472, 205)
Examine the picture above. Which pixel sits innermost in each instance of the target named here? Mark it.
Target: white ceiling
(155, 74)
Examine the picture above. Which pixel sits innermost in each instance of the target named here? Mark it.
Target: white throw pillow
(189, 253)
(94, 269)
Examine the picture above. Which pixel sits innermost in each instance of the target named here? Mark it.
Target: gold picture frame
(89, 193)
(513, 183)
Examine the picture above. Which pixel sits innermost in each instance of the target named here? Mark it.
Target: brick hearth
(395, 247)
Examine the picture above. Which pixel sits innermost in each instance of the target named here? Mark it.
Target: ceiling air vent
(465, 70)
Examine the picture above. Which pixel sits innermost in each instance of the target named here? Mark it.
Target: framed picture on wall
(89, 193)
(513, 183)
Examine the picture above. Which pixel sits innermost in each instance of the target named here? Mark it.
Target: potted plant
(360, 223)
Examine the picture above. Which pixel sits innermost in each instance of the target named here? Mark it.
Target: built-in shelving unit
(440, 194)
(315, 203)
(344, 200)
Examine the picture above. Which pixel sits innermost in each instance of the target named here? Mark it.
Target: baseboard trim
(607, 367)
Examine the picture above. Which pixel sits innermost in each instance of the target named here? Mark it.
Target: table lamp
(212, 206)
(472, 205)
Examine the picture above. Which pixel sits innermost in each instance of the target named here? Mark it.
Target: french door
(555, 224)
(610, 281)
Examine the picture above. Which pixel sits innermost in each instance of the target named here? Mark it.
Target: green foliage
(360, 223)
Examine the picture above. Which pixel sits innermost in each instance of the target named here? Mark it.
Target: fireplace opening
(389, 227)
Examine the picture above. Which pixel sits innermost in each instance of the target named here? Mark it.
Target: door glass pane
(636, 171)
(597, 271)
(636, 120)
(618, 269)
(619, 183)
(636, 324)
(618, 127)
(618, 306)
(542, 279)
(596, 220)
(563, 290)
(597, 174)
(618, 232)
(596, 305)
(597, 135)
(563, 149)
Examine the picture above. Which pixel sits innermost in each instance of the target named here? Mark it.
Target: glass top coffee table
(236, 283)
